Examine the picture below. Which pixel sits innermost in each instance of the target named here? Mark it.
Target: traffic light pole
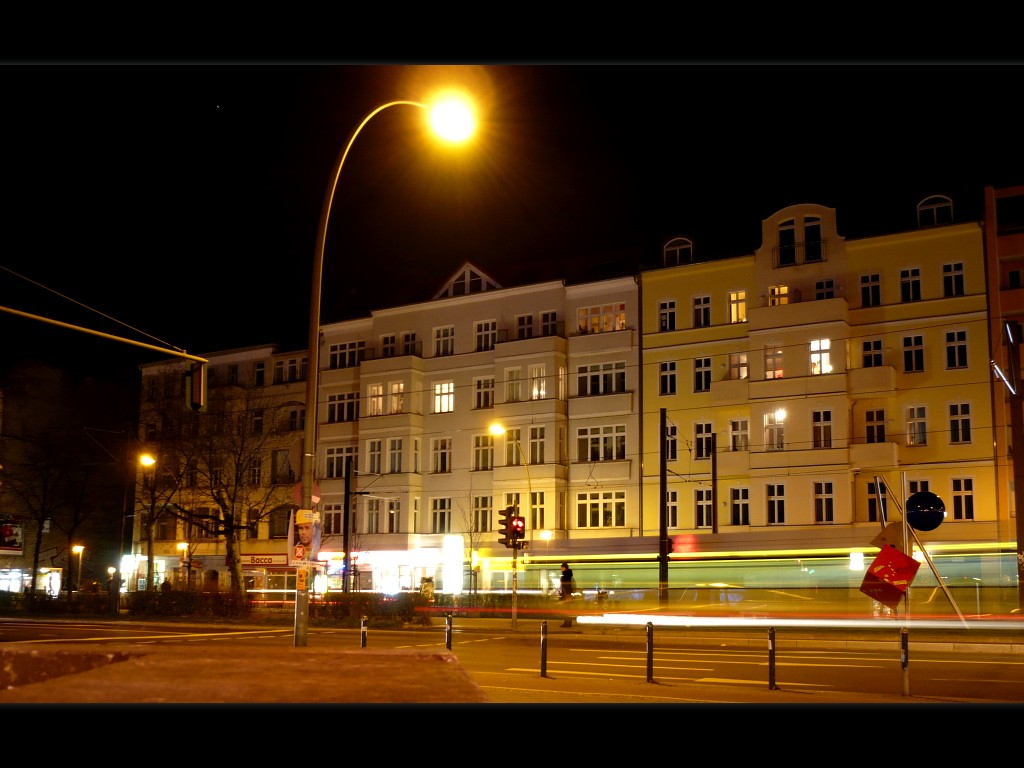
(515, 581)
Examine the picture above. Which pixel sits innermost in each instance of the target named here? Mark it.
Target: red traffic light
(518, 527)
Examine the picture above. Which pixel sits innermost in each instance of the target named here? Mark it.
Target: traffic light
(195, 387)
(518, 531)
(505, 527)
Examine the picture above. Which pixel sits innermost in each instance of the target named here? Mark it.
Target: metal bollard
(448, 632)
(362, 632)
(544, 648)
(650, 652)
(905, 659)
(771, 660)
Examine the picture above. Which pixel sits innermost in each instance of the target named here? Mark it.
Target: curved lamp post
(498, 429)
(451, 118)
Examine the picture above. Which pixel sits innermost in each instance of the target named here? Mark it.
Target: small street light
(78, 549)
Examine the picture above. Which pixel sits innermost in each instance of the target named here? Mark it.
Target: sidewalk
(156, 673)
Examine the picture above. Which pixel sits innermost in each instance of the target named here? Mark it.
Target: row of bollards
(904, 651)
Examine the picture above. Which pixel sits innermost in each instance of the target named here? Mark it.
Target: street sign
(889, 576)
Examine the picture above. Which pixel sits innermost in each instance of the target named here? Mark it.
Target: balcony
(877, 381)
(874, 455)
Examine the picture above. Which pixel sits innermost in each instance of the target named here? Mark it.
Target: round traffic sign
(925, 511)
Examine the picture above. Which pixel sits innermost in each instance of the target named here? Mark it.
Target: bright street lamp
(497, 429)
(451, 118)
(78, 549)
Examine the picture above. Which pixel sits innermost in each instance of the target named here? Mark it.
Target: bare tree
(225, 483)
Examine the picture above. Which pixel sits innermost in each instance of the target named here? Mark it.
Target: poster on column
(11, 538)
(304, 537)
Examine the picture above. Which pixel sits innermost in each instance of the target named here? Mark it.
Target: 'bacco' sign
(264, 559)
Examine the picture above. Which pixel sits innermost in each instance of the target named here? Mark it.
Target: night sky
(182, 200)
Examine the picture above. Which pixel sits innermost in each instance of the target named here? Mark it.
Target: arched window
(678, 250)
(935, 210)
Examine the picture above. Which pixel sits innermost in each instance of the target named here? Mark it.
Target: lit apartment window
(821, 361)
(773, 362)
(538, 383)
(774, 431)
(397, 396)
(738, 369)
(778, 295)
(375, 399)
(601, 319)
(737, 306)
(444, 397)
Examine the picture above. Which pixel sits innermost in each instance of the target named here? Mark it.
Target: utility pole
(347, 524)
(1013, 340)
(663, 510)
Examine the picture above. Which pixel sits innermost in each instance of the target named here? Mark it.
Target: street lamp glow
(452, 119)
(146, 460)
(448, 118)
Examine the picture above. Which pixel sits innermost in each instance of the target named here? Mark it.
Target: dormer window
(678, 250)
(934, 211)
